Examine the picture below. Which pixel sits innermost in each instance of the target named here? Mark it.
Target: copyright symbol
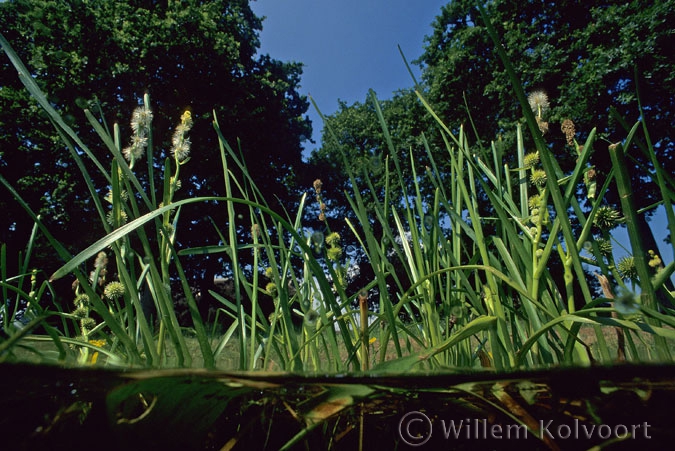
(414, 428)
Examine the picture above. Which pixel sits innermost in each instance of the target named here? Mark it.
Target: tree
(103, 55)
(354, 136)
(583, 56)
(354, 142)
(589, 57)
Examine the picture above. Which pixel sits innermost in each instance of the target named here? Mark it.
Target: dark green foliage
(356, 131)
(354, 136)
(589, 57)
(103, 55)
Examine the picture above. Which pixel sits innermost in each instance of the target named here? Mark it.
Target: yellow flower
(94, 357)
(180, 143)
(186, 119)
(654, 259)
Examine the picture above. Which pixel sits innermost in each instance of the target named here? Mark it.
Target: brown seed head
(567, 127)
(317, 185)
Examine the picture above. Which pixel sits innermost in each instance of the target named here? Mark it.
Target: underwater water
(621, 407)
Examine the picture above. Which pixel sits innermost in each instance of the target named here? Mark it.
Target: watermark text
(416, 428)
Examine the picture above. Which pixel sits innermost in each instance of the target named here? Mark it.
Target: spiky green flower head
(274, 317)
(272, 289)
(82, 300)
(626, 267)
(114, 290)
(81, 312)
(88, 323)
(110, 217)
(124, 196)
(333, 239)
(607, 217)
(334, 253)
(605, 247)
(534, 201)
(269, 272)
(531, 160)
(538, 178)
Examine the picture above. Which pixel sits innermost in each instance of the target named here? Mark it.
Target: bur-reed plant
(141, 272)
(496, 286)
(298, 264)
(453, 288)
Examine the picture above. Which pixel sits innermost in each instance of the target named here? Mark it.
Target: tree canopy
(598, 62)
(104, 55)
(590, 58)
(355, 131)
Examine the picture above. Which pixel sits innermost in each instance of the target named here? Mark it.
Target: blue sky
(347, 46)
